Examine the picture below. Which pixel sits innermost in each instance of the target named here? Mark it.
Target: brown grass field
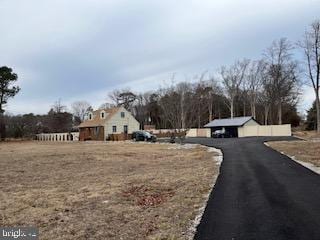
(103, 190)
(307, 135)
(306, 151)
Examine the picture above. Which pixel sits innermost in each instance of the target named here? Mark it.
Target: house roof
(228, 122)
(97, 121)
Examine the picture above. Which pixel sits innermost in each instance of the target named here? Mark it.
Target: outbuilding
(230, 125)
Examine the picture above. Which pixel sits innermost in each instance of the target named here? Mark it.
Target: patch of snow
(196, 221)
(193, 228)
(183, 146)
(138, 142)
(219, 157)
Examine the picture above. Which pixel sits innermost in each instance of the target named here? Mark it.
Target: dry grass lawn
(307, 135)
(103, 190)
(306, 151)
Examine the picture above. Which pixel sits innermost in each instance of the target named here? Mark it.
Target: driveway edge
(218, 160)
(308, 165)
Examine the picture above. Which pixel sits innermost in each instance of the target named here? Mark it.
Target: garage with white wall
(245, 127)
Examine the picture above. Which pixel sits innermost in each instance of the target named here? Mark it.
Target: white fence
(198, 132)
(192, 132)
(58, 137)
(158, 131)
(265, 130)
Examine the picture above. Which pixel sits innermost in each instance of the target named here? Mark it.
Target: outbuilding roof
(228, 122)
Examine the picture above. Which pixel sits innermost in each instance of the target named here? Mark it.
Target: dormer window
(90, 116)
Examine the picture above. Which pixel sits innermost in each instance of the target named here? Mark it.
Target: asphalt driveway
(260, 194)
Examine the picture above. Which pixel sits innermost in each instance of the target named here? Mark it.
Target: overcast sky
(83, 49)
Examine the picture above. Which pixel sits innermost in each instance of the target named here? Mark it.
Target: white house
(101, 123)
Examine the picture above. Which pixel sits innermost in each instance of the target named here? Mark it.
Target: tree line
(267, 89)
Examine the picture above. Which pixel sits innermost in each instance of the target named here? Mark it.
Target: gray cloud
(83, 49)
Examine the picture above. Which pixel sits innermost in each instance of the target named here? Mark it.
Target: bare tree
(265, 99)
(243, 94)
(178, 105)
(140, 108)
(124, 98)
(283, 73)
(58, 119)
(212, 94)
(311, 49)
(80, 109)
(200, 92)
(57, 107)
(114, 96)
(184, 94)
(256, 75)
(106, 105)
(232, 78)
(169, 103)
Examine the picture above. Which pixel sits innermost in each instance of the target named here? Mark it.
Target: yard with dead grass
(90, 190)
(307, 135)
(306, 151)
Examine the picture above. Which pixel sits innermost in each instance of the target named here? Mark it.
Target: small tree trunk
(231, 108)
(210, 112)
(182, 125)
(199, 114)
(253, 111)
(182, 116)
(266, 113)
(280, 114)
(253, 107)
(2, 128)
(318, 111)
(244, 108)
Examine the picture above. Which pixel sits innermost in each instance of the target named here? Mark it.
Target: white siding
(119, 122)
(198, 132)
(268, 130)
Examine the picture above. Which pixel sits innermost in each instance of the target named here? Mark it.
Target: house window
(90, 116)
(125, 129)
(114, 129)
(102, 115)
(122, 114)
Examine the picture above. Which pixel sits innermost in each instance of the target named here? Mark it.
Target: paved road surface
(260, 194)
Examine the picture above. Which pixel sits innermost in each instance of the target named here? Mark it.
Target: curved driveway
(260, 194)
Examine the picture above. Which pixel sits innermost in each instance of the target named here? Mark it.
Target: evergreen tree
(312, 118)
